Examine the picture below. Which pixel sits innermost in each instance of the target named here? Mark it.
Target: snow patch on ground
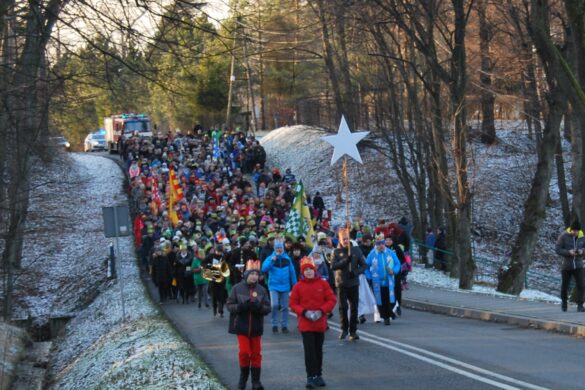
(64, 246)
(433, 278)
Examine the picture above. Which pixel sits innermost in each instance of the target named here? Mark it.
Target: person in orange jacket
(312, 299)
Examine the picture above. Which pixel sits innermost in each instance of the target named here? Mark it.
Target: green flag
(299, 218)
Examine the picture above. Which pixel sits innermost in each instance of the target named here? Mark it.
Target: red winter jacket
(312, 294)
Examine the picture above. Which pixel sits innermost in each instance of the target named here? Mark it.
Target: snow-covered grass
(64, 246)
(433, 278)
(13, 341)
(64, 274)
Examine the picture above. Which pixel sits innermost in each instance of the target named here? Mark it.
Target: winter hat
(307, 262)
(279, 243)
(575, 225)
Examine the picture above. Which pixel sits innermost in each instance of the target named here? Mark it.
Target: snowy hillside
(64, 275)
(500, 176)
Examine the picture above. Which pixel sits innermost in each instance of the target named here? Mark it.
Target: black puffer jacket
(248, 304)
(568, 242)
(347, 270)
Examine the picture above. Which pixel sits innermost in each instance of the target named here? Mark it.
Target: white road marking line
(448, 363)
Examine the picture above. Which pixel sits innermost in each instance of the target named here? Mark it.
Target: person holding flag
(299, 223)
(175, 195)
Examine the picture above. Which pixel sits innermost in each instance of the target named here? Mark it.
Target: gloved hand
(313, 315)
(244, 306)
(255, 306)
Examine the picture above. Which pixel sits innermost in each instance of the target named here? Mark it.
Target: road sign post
(117, 224)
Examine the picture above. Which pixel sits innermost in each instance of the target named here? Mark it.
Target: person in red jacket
(312, 299)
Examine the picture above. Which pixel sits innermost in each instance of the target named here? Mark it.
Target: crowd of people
(223, 245)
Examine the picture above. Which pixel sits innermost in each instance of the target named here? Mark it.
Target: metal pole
(346, 188)
(228, 116)
(121, 278)
(112, 263)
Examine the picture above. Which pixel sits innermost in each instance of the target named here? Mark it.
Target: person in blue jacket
(381, 266)
(281, 278)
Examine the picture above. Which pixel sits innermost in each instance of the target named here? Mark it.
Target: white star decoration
(345, 142)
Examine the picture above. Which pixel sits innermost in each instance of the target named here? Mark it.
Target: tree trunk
(342, 59)
(329, 60)
(511, 280)
(575, 10)
(535, 108)
(26, 111)
(562, 181)
(488, 127)
(462, 238)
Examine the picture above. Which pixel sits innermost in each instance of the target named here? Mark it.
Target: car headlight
(67, 144)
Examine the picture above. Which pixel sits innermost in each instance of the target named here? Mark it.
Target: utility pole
(250, 88)
(261, 72)
(228, 116)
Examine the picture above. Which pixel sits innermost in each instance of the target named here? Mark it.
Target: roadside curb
(485, 315)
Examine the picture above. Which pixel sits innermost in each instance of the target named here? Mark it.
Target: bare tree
(511, 279)
(488, 127)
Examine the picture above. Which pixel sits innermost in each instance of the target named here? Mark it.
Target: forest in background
(426, 77)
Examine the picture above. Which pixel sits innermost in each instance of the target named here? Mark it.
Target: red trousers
(250, 351)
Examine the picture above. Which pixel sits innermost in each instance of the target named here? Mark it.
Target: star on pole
(345, 142)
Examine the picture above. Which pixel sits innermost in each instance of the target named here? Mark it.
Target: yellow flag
(175, 195)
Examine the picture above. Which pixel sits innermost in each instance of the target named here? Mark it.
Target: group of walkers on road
(210, 228)
(222, 244)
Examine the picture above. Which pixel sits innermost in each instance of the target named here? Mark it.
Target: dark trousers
(202, 294)
(566, 278)
(398, 288)
(349, 295)
(313, 345)
(218, 296)
(164, 291)
(384, 308)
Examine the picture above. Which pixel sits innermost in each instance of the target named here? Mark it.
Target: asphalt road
(418, 351)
